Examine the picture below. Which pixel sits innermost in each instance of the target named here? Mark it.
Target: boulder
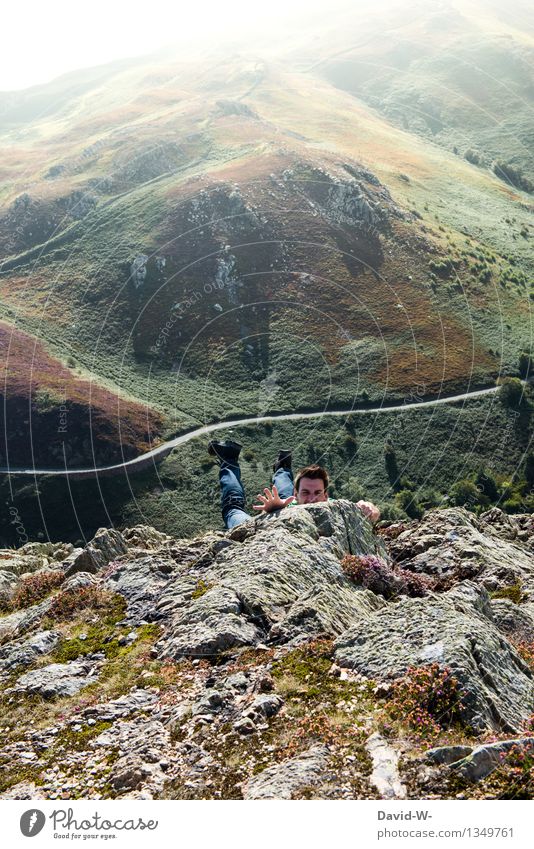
(456, 631)
(455, 544)
(106, 545)
(282, 582)
(484, 759)
(283, 780)
(23, 653)
(58, 679)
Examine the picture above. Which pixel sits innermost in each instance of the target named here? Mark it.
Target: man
(309, 487)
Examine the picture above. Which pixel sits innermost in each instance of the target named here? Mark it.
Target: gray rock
(385, 775)
(455, 543)
(24, 653)
(146, 537)
(283, 780)
(106, 545)
(80, 579)
(455, 630)
(135, 700)
(448, 754)
(58, 679)
(238, 682)
(210, 701)
(8, 583)
(209, 625)
(141, 580)
(484, 759)
(17, 623)
(514, 619)
(281, 582)
(264, 707)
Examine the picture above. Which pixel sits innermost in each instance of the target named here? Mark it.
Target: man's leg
(232, 492)
(232, 495)
(283, 475)
(283, 481)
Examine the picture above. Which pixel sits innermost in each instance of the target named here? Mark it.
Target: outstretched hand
(370, 510)
(271, 501)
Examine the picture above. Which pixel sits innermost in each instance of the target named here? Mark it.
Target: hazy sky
(45, 39)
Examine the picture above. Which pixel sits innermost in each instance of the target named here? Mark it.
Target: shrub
(352, 489)
(465, 493)
(390, 459)
(472, 156)
(72, 601)
(391, 512)
(33, 589)
(525, 364)
(514, 777)
(514, 592)
(486, 484)
(427, 699)
(511, 391)
(376, 575)
(505, 171)
(406, 500)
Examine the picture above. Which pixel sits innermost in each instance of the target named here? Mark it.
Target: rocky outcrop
(454, 544)
(248, 664)
(454, 629)
(284, 780)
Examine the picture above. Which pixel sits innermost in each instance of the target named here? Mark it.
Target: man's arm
(271, 501)
(370, 510)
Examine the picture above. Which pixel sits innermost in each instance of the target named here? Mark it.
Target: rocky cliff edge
(301, 655)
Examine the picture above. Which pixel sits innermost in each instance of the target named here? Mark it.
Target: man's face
(311, 490)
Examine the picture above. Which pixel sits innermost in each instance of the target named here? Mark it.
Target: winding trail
(146, 459)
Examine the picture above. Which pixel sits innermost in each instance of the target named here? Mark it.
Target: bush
(525, 365)
(70, 602)
(406, 500)
(486, 484)
(390, 459)
(505, 171)
(427, 699)
(352, 489)
(376, 575)
(472, 156)
(33, 589)
(465, 493)
(511, 391)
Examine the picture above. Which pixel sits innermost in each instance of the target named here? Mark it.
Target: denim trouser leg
(283, 481)
(232, 495)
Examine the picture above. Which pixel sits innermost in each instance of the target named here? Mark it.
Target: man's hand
(370, 510)
(271, 501)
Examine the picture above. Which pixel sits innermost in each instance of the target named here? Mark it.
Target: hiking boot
(224, 449)
(283, 461)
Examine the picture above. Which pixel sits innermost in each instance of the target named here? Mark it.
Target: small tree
(486, 484)
(392, 468)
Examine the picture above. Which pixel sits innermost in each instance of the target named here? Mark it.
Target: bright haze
(47, 40)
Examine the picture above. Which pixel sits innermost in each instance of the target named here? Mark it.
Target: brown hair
(315, 473)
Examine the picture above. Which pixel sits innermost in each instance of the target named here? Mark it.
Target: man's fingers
(288, 500)
(261, 497)
(267, 492)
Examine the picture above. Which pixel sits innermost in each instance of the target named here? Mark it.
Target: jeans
(233, 493)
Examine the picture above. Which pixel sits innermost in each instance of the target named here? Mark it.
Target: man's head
(311, 485)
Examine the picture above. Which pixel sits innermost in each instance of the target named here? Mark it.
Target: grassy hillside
(435, 448)
(278, 230)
